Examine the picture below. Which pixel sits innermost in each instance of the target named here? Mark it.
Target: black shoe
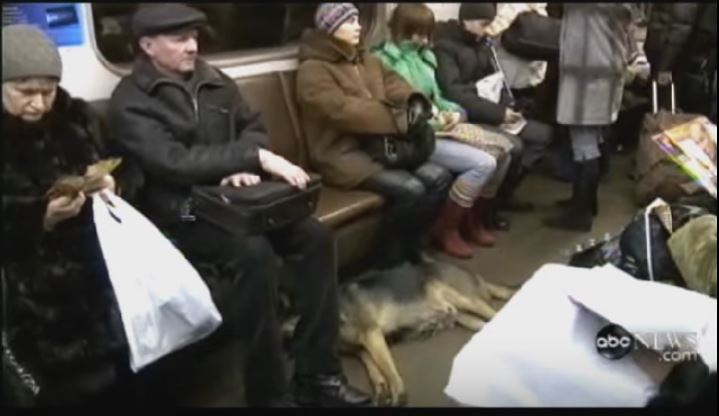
(496, 221)
(328, 391)
(491, 216)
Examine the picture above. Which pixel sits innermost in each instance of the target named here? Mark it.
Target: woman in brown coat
(346, 95)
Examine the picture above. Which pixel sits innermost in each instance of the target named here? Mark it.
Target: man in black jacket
(464, 58)
(186, 124)
(682, 45)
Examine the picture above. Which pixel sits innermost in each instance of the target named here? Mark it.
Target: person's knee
(436, 179)
(313, 232)
(252, 257)
(411, 191)
(538, 134)
(484, 168)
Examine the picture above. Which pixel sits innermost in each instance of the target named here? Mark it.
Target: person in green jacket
(479, 173)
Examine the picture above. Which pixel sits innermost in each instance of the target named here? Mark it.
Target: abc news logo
(614, 342)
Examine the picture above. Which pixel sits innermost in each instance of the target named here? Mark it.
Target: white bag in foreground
(540, 349)
(164, 303)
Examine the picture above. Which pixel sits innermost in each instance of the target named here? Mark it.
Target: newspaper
(516, 127)
(692, 146)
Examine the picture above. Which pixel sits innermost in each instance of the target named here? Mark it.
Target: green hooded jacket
(417, 65)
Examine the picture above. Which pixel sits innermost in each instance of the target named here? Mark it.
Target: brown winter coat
(345, 96)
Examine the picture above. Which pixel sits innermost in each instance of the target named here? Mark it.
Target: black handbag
(533, 36)
(403, 152)
(255, 210)
(628, 249)
(19, 386)
(409, 151)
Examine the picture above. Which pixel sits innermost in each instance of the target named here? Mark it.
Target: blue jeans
(479, 173)
(585, 142)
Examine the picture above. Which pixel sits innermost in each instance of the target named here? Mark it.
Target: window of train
(241, 29)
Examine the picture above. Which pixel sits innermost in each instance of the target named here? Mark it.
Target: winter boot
(578, 215)
(446, 231)
(475, 226)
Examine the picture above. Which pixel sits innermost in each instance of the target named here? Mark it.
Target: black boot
(605, 159)
(328, 391)
(578, 216)
(492, 218)
(567, 203)
(505, 194)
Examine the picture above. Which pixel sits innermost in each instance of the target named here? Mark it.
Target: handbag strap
(489, 43)
(647, 234)
(27, 379)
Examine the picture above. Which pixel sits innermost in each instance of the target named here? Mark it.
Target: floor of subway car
(425, 364)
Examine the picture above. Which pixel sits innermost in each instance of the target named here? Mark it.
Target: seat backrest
(268, 94)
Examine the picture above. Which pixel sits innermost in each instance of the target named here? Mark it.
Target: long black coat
(461, 62)
(678, 32)
(63, 321)
(182, 134)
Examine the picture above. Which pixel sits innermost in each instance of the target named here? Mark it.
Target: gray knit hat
(330, 16)
(28, 52)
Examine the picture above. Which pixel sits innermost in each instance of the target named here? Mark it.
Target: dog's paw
(400, 399)
(382, 395)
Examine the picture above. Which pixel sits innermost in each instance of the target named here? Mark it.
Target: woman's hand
(449, 120)
(511, 116)
(107, 183)
(61, 209)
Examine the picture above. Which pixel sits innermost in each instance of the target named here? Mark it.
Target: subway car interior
(359, 205)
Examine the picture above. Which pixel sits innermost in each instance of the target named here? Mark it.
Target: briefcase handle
(655, 97)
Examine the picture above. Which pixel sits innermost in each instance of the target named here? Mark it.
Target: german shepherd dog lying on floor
(403, 303)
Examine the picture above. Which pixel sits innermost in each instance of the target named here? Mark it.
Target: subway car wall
(243, 39)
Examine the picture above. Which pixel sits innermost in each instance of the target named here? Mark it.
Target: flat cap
(164, 18)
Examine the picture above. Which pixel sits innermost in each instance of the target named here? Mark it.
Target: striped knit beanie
(330, 16)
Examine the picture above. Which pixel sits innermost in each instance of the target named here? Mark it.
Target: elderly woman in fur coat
(62, 334)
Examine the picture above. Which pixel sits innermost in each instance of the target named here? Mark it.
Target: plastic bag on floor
(164, 303)
(694, 249)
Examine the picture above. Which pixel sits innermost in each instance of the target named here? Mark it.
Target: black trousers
(251, 266)
(537, 136)
(414, 200)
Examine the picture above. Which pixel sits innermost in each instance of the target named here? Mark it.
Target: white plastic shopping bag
(490, 87)
(540, 350)
(164, 303)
